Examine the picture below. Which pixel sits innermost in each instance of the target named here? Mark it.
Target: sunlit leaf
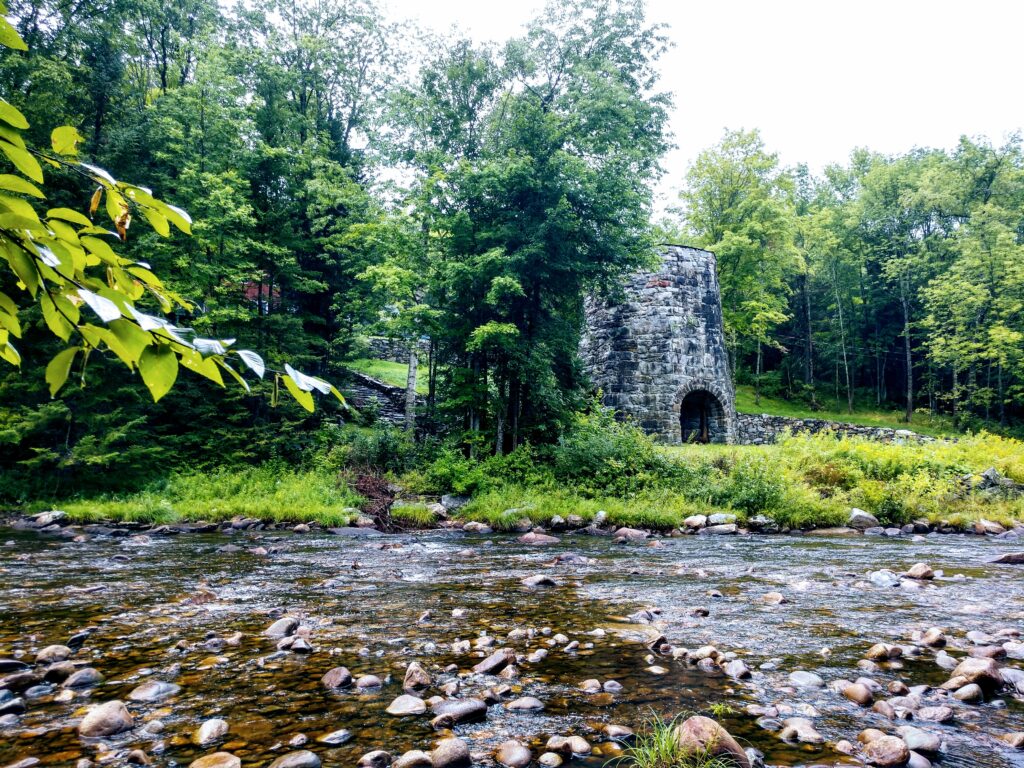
(303, 397)
(59, 368)
(22, 160)
(69, 214)
(65, 140)
(253, 361)
(9, 36)
(105, 308)
(158, 366)
(12, 115)
(14, 183)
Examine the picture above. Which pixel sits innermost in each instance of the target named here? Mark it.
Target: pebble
(217, 760)
(301, 759)
(378, 758)
(209, 732)
(451, 753)
(407, 705)
(106, 719)
(525, 703)
(513, 754)
(803, 679)
(153, 690)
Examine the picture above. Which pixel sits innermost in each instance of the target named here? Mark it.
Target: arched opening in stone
(702, 418)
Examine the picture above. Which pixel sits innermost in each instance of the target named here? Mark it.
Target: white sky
(817, 77)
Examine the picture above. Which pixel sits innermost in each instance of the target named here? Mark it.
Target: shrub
(600, 454)
(752, 486)
(385, 447)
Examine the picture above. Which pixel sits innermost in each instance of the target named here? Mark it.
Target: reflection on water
(159, 607)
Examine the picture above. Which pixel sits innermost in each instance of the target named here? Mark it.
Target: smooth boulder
(301, 759)
(451, 753)
(105, 720)
(217, 760)
(513, 754)
(700, 734)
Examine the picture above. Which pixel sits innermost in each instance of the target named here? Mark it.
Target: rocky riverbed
(441, 648)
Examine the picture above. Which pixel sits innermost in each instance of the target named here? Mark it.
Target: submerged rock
(450, 753)
(407, 705)
(300, 759)
(513, 754)
(153, 690)
(105, 720)
(217, 760)
(886, 752)
(209, 732)
(339, 677)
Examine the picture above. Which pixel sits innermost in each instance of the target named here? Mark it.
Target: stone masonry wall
(761, 429)
(661, 340)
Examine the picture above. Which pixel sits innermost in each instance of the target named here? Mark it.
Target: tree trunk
(1002, 398)
(757, 377)
(410, 390)
(842, 338)
(808, 343)
(905, 301)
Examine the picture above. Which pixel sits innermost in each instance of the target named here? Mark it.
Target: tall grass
(269, 492)
(656, 746)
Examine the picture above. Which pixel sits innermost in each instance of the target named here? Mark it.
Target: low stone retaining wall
(395, 350)
(367, 392)
(761, 429)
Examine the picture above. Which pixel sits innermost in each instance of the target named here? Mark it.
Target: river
(161, 607)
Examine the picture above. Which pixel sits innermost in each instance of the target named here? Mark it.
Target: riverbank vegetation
(607, 468)
(464, 198)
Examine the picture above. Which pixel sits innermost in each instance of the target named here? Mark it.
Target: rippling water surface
(151, 603)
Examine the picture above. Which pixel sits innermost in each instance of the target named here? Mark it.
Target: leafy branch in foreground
(65, 262)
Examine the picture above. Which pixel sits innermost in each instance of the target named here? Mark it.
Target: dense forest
(350, 177)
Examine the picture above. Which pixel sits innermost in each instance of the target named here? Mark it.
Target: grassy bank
(270, 492)
(802, 482)
(602, 465)
(389, 372)
(864, 413)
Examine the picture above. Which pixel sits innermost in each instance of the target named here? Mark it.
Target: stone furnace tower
(658, 354)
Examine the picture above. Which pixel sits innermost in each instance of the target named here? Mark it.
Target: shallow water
(362, 598)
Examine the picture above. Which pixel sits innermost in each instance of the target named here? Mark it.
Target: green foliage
(413, 516)
(270, 492)
(64, 260)
(752, 485)
(602, 454)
